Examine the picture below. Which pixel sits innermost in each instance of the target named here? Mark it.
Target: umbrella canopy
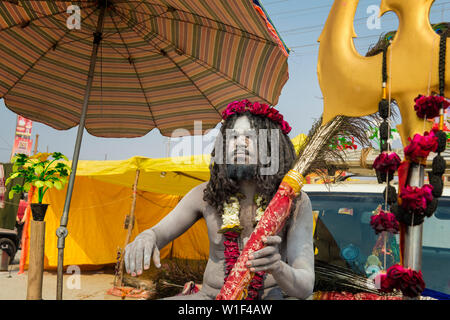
(160, 64)
(121, 68)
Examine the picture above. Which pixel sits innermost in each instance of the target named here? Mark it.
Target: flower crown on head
(257, 109)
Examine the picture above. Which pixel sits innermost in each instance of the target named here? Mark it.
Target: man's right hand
(140, 251)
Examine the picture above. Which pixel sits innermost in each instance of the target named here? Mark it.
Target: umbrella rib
(107, 35)
(179, 68)
(211, 68)
(135, 71)
(38, 59)
(243, 32)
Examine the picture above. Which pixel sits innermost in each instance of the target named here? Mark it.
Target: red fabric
(350, 296)
(21, 211)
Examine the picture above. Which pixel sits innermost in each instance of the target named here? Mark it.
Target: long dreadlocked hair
(220, 187)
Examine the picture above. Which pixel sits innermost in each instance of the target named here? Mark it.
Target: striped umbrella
(120, 68)
(161, 64)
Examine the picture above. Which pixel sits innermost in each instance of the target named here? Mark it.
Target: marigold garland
(231, 229)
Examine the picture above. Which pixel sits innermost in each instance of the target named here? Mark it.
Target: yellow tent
(102, 199)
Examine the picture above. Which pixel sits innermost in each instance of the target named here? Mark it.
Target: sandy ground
(93, 285)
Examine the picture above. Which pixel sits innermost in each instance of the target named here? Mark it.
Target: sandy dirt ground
(91, 285)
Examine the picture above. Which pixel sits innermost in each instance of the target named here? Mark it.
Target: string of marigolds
(414, 202)
(386, 163)
(231, 229)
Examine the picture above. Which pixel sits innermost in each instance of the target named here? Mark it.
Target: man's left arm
(296, 277)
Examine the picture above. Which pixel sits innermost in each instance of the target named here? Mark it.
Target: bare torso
(214, 275)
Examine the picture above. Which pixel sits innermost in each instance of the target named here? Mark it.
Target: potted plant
(41, 172)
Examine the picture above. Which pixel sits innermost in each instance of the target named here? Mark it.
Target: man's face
(242, 143)
(246, 150)
(241, 157)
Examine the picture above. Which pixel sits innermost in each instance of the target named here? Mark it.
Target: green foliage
(39, 171)
(374, 134)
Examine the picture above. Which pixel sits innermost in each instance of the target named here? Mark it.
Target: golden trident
(351, 83)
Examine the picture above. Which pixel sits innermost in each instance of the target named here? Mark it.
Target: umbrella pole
(62, 231)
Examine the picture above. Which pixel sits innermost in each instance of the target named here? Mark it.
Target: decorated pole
(416, 200)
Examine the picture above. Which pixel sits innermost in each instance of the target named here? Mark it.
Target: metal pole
(413, 234)
(62, 231)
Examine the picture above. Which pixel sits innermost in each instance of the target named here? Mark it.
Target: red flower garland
(387, 162)
(384, 221)
(231, 256)
(420, 146)
(430, 106)
(231, 250)
(416, 199)
(257, 109)
(408, 281)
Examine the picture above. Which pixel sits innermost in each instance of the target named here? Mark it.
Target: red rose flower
(395, 272)
(416, 199)
(387, 162)
(257, 109)
(430, 106)
(384, 221)
(421, 146)
(285, 127)
(275, 116)
(409, 281)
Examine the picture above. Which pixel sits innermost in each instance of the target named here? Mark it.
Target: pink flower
(285, 127)
(387, 162)
(413, 285)
(409, 281)
(256, 109)
(384, 221)
(421, 146)
(430, 106)
(259, 109)
(416, 199)
(275, 116)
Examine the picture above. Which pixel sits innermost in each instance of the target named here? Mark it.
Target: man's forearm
(294, 282)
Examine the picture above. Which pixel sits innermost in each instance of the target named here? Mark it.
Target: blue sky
(299, 23)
